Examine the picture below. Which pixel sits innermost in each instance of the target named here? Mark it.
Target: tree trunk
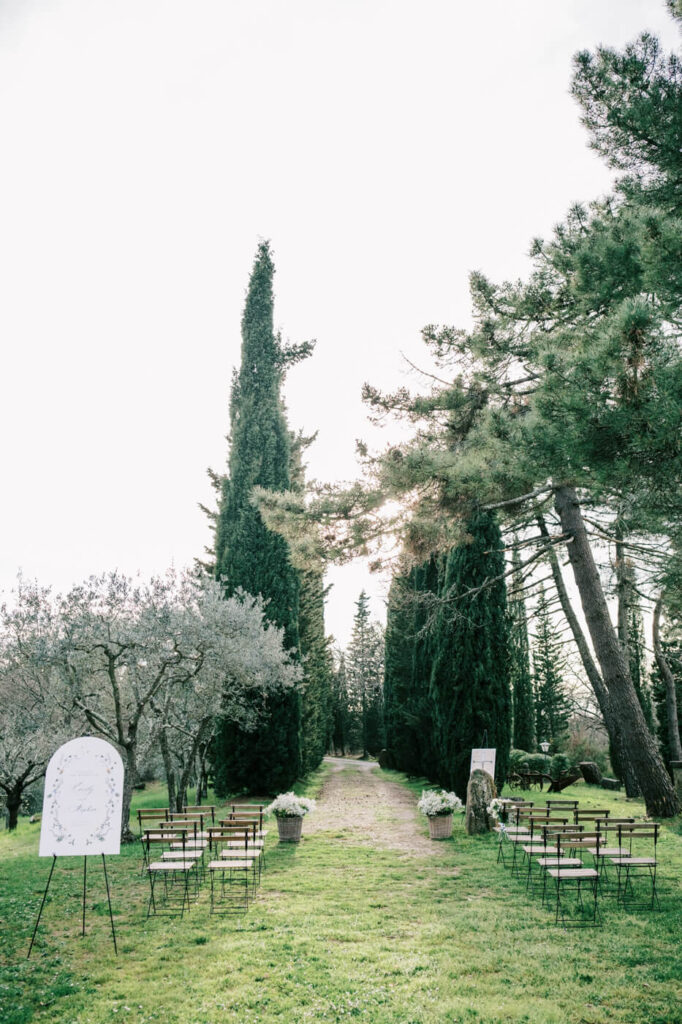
(659, 794)
(623, 591)
(670, 692)
(365, 752)
(183, 783)
(616, 737)
(13, 801)
(168, 769)
(129, 780)
(202, 785)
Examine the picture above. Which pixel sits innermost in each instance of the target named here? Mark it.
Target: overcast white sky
(386, 148)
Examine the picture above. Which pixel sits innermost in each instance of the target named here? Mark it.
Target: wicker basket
(289, 829)
(440, 826)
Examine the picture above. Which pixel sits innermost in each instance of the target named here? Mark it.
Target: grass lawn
(340, 931)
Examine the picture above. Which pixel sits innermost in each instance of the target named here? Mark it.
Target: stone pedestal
(677, 777)
(480, 792)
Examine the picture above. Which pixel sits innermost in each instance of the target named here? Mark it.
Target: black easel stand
(85, 876)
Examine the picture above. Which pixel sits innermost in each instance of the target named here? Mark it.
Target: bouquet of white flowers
(434, 803)
(498, 809)
(288, 805)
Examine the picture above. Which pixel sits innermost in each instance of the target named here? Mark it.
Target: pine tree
(551, 705)
(519, 665)
(470, 675)
(247, 554)
(365, 669)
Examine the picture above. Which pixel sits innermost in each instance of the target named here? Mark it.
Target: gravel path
(359, 801)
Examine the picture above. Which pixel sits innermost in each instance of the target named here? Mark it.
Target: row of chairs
(199, 811)
(556, 837)
(180, 850)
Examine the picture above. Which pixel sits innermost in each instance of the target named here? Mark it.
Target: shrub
(585, 743)
(560, 764)
(518, 759)
(539, 763)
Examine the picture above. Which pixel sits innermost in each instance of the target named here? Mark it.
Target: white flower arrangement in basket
(436, 803)
(288, 805)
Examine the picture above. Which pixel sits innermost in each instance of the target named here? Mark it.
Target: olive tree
(120, 654)
(31, 723)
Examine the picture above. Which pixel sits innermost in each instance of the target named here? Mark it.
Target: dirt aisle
(357, 798)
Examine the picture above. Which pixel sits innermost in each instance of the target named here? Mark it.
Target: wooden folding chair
(178, 873)
(159, 838)
(240, 813)
(241, 808)
(194, 842)
(550, 856)
(235, 862)
(233, 844)
(175, 867)
(196, 818)
(564, 876)
(255, 842)
(562, 805)
(608, 827)
(204, 809)
(515, 830)
(586, 816)
(632, 866)
(510, 827)
(531, 841)
(151, 815)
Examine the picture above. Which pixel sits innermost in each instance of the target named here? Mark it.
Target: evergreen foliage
(672, 649)
(340, 709)
(568, 389)
(519, 665)
(637, 659)
(247, 554)
(551, 705)
(407, 669)
(365, 673)
(316, 697)
(470, 694)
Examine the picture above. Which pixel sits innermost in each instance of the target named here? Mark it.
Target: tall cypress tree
(340, 725)
(519, 665)
(247, 554)
(470, 675)
(407, 669)
(316, 698)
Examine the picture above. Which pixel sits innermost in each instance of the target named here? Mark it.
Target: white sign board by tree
(483, 758)
(83, 799)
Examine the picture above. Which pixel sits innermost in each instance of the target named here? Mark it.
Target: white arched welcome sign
(83, 800)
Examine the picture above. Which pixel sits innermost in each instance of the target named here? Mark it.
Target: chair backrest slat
(591, 815)
(640, 830)
(204, 809)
